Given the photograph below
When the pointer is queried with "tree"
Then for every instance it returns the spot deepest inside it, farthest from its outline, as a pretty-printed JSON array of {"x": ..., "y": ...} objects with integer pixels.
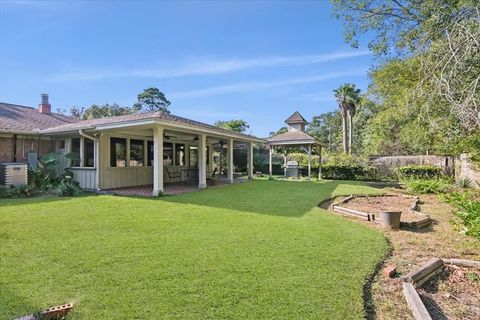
[
  {"x": 279, "y": 131},
  {"x": 326, "y": 128},
  {"x": 442, "y": 34},
  {"x": 348, "y": 97},
  {"x": 233, "y": 125},
  {"x": 100, "y": 111},
  {"x": 152, "y": 100}
]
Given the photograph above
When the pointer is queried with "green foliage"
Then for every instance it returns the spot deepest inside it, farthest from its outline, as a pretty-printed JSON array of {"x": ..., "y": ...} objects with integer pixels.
[
  {"x": 233, "y": 125},
  {"x": 100, "y": 111},
  {"x": 47, "y": 177},
  {"x": 464, "y": 182},
  {"x": 66, "y": 186},
  {"x": 423, "y": 186},
  {"x": 468, "y": 209},
  {"x": 22, "y": 191},
  {"x": 151, "y": 100},
  {"x": 342, "y": 172},
  {"x": 419, "y": 172}
]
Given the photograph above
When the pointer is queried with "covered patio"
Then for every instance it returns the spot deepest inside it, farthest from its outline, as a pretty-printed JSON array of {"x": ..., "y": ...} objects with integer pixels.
[
  {"x": 295, "y": 137},
  {"x": 151, "y": 153}
]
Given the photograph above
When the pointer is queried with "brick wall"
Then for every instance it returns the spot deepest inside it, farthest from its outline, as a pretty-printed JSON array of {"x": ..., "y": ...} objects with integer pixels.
[
  {"x": 6, "y": 149},
  {"x": 24, "y": 145}
]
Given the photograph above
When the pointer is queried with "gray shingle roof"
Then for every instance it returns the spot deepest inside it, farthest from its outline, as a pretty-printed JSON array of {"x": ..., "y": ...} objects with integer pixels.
[
  {"x": 16, "y": 118},
  {"x": 292, "y": 137},
  {"x": 296, "y": 117},
  {"x": 86, "y": 124}
]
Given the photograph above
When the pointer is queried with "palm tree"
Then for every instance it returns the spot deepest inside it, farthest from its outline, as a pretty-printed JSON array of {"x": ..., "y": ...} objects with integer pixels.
[{"x": 348, "y": 97}]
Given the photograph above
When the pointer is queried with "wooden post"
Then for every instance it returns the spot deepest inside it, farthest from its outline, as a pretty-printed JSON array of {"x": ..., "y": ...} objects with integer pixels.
[
  {"x": 270, "y": 162},
  {"x": 309, "y": 161},
  {"x": 157, "y": 161},
  {"x": 415, "y": 303}
]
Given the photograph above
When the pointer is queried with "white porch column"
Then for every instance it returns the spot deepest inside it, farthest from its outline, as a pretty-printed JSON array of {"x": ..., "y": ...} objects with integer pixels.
[
  {"x": 82, "y": 152},
  {"x": 270, "y": 162},
  {"x": 202, "y": 161},
  {"x": 230, "y": 161},
  {"x": 285, "y": 163},
  {"x": 250, "y": 161},
  {"x": 157, "y": 161},
  {"x": 309, "y": 161},
  {"x": 96, "y": 154}
]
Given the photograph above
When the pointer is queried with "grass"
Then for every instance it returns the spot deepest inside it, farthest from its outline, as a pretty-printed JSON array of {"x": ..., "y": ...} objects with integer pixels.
[{"x": 254, "y": 250}]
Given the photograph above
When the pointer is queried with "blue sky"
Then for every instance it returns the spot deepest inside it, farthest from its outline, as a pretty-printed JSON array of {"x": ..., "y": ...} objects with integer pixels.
[{"x": 257, "y": 61}]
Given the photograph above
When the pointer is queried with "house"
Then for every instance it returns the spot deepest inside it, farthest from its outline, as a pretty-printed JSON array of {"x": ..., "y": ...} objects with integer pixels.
[{"x": 144, "y": 149}]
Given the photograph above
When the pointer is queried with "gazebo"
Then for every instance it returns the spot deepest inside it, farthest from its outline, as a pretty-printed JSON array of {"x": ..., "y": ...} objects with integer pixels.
[{"x": 296, "y": 137}]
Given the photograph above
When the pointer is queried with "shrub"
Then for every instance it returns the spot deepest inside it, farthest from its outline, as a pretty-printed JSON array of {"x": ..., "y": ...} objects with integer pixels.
[
  {"x": 342, "y": 172},
  {"x": 16, "y": 192},
  {"x": 464, "y": 182},
  {"x": 418, "y": 172},
  {"x": 66, "y": 186},
  {"x": 468, "y": 209},
  {"x": 422, "y": 186}
]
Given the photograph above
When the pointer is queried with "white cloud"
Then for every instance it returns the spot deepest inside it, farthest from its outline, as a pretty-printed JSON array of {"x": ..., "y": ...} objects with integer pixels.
[
  {"x": 257, "y": 85},
  {"x": 205, "y": 67}
]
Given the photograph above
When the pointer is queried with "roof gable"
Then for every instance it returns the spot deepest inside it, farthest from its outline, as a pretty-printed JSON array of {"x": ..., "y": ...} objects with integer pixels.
[{"x": 296, "y": 117}]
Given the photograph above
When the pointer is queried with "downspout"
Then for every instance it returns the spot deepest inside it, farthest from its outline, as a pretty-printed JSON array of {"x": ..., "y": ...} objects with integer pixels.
[{"x": 96, "y": 155}]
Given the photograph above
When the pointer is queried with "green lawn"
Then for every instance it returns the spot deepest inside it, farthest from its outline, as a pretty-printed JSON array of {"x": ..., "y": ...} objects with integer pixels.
[{"x": 254, "y": 250}]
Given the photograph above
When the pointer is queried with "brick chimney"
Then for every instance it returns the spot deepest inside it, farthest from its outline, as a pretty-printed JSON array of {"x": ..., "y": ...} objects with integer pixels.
[{"x": 44, "y": 106}]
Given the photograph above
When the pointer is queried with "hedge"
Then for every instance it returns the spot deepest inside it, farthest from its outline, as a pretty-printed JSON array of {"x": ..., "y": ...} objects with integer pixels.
[{"x": 419, "y": 172}]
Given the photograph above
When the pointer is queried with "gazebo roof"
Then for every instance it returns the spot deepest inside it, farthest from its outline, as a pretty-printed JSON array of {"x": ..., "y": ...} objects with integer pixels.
[{"x": 292, "y": 138}]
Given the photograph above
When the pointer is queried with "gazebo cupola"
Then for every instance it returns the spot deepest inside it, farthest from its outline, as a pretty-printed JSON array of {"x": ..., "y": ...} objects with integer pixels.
[{"x": 296, "y": 122}]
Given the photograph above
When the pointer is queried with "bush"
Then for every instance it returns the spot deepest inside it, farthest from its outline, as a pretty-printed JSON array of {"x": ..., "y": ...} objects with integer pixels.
[
  {"x": 464, "y": 182},
  {"x": 342, "y": 172},
  {"x": 422, "y": 186},
  {"x": 348, "y": 167},
  {"x": 419, "y": 172},
  {"x": 468, "y": 210},
  {"x": 16, "y": 192}
]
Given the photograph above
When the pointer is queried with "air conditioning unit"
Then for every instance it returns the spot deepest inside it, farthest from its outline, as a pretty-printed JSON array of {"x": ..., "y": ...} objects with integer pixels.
[{"x": 14, "y": 174}]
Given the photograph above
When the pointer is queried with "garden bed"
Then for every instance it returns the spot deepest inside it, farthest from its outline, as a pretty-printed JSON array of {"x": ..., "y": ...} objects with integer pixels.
[{"x": 369, "y": 207}]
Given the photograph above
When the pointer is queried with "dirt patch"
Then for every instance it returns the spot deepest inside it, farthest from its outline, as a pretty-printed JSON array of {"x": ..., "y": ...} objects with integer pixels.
[
  {"x": 453, "y": 294},
  {"x": 387, "y": 203}
]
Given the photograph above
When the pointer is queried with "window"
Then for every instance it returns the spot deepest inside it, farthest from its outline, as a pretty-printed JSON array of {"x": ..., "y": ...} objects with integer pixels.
[
  {"x": 118, "y": 148},
  {"x": 179, "y": 154},
  {"x": 75, "y": 149},
  {"x": 150, "y": 153},
  {"x": 136, "y": 153},
  {"x": 61, "y": 144},
  {"x": 167, "y": 154},
  {"x": 193, "y": 156},
  {"x": 88, "y": 153}
]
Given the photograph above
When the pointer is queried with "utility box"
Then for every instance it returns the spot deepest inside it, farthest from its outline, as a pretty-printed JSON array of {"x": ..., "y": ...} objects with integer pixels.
[{"x": 14, "y": 174}]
